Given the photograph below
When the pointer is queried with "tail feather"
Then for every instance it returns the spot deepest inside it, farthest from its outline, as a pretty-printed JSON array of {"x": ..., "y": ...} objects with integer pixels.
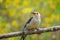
[{"x": 23, "y": 36}]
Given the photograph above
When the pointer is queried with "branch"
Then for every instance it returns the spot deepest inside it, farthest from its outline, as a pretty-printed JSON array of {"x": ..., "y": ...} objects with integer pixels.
[{"x": 41, "y": 30}]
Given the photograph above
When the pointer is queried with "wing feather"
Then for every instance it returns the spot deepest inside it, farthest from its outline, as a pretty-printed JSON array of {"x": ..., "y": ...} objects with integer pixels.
[{"x": 28, "y": 21}]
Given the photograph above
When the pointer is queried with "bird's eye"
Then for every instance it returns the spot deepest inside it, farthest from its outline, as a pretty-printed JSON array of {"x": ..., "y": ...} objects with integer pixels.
[{"x": 37, "y": 13}]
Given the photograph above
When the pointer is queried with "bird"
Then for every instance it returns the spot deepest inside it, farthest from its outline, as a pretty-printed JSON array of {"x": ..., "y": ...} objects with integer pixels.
[{"x": 32, "y": 24}]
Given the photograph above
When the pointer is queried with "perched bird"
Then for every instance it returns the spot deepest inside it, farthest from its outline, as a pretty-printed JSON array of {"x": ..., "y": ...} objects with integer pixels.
[{"x": 33, "y": 23}]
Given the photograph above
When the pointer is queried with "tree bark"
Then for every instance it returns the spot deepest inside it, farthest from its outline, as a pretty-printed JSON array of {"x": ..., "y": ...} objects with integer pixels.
[{"x": 40, "y": 30}]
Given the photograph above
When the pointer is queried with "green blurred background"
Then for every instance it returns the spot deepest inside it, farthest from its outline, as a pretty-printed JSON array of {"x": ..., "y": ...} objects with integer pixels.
[{"x": 15, "y": 13}]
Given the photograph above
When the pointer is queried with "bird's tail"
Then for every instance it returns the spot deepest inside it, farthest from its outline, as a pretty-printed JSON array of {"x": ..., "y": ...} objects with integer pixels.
[{"x": 23, "y": 36}]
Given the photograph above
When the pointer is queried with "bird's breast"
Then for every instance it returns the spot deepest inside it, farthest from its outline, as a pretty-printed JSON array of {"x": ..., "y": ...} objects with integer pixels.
[{"x": 34, "y": 24}]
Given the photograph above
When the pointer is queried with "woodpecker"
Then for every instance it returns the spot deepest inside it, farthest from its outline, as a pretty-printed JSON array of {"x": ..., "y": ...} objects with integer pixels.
[{"x": 33, "y": 23}]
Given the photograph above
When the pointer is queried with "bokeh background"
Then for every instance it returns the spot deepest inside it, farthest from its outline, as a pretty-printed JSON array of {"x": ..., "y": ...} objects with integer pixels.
[{"x": 15, "y": 13}]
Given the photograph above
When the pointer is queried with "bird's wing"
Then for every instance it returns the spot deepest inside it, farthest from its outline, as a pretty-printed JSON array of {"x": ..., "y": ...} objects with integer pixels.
[
  {"x": 23, "y": 36},
  {"x": 28, "y": 21}
]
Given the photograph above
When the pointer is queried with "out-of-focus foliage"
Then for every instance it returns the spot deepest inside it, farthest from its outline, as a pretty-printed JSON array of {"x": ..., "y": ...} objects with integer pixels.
[{"x": 15, "y": 13}]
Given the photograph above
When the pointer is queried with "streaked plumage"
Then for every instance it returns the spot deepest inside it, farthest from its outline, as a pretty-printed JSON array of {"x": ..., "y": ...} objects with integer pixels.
[{"x": 33, "y": 22}]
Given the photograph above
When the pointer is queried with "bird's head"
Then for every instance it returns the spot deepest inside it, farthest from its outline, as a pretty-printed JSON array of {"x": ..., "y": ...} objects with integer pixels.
[{"x": 36, "y": 14}]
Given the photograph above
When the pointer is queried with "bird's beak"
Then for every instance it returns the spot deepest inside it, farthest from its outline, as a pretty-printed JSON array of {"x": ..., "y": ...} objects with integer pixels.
[{"x": 33, "y": 13}]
